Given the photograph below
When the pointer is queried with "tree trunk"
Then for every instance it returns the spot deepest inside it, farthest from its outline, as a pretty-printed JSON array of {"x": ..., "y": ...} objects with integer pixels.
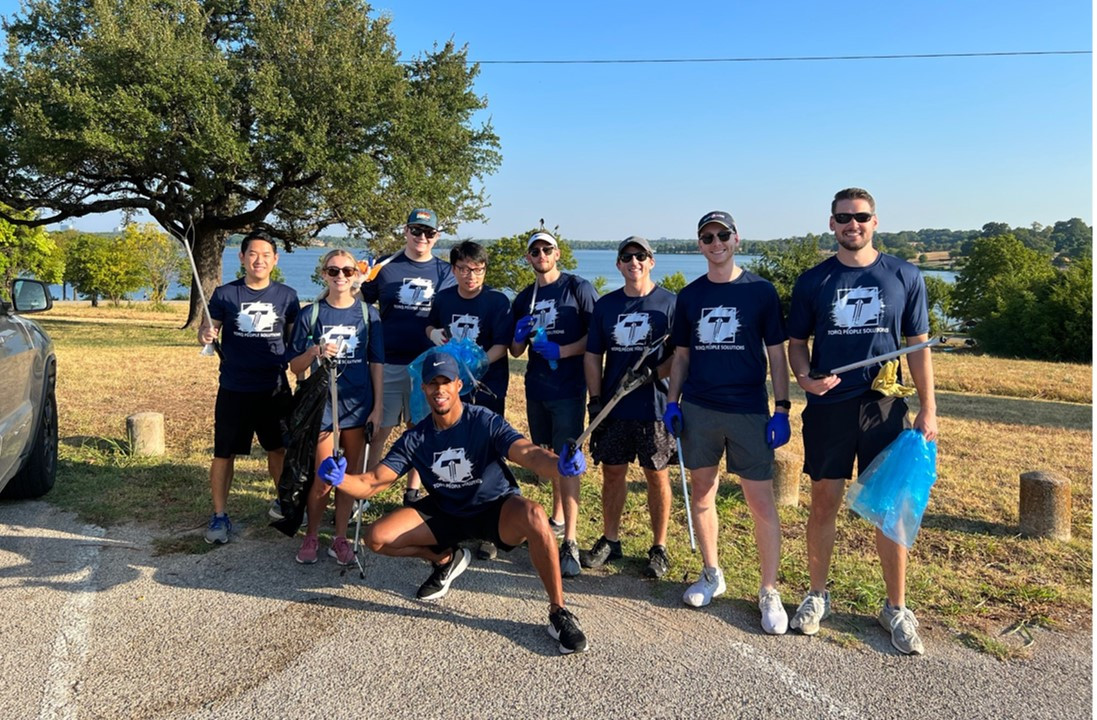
[{"x": 209, "y": 245}]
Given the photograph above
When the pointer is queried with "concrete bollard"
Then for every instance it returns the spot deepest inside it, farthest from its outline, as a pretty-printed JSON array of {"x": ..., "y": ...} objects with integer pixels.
[
  {"x": 145, "y": 431},
  {"x": 787, "y": 471},
  {"x": 1045, "y": 505}
]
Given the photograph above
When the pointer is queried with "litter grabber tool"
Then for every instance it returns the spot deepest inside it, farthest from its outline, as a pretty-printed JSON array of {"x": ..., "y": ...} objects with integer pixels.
[
  {"x": 879, "y": 358},
  {"x": 214, "y": 347},
  {"x": 360, "y": 508},
  {"x": 369, "y": 272},
  {"x": 685, "y": 487}
]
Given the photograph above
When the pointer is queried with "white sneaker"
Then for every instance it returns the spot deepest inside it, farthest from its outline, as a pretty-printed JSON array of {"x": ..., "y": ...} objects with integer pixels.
[
  {"x": 774, "y": 617},
  {"x": 901, "y": 623},
  {"x": 709, "y": 585},
  {"x": 813, "y": 610}
]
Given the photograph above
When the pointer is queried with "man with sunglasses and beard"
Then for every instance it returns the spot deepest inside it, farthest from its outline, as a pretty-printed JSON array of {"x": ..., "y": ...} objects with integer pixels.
[
  {"x": 727, "y": 327},
  {"x": 858, "y": 304},
  {"x": 404, "y": 288},
  {"x": 552, "y": 319}
]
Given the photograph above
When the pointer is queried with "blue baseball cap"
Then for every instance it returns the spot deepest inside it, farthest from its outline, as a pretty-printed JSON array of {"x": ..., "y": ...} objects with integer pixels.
[
  {"x": 440, "y": 363},
  {"x": 717, "y": 216},
  {"x": 422, "y": 216}
]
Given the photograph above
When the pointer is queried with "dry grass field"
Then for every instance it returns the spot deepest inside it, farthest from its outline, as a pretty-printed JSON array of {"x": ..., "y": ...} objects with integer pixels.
[{"x": 970, "y": 571}]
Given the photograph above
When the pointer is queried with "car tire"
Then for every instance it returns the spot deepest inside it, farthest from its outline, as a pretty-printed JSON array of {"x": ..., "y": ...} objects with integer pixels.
[{"x": 36, "y": 477}]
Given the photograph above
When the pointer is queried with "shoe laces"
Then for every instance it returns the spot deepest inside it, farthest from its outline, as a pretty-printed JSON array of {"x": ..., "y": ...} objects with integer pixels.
[
  {"x": 814, "y": 604},
  {"x": 769, "y": 600},
  {"x": 904, "y": 619}
]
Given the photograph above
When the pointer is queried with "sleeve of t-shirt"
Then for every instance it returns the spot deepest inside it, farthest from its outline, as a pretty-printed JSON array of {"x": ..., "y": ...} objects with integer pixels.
[
  {"x": 502, "y": 325},
  {"x": 520, "y": 308},
  {"x": 300, "y": 341},
  {"x": 585, "y": 299},
  {"x": 502, "y": 435},
  {"x": 916, "y": 312},
  {"x": 679, "y": 333},
  {"x": 217, "y": 305},
  {"x": 595, "y": 339},
  {"x": 375, "y": 353},
  {"x": 434, "y": 316},
  {"x": 293, "y": 310},
  {"x": 800, "y": 315},
  {"x": 399, "y": 457},
  {"x": 774, "y": 332},
  {"x": 446, "y": 278}
]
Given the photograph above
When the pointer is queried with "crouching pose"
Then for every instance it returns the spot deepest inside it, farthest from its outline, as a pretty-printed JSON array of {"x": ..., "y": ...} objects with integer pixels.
[{"x": 460, "y": 453}]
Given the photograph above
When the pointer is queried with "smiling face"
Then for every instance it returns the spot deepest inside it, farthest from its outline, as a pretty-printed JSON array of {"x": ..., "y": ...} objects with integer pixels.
[
  {"x": 719, "y": 251},
  {"x": 853, "y": 235},
  {"x": 470, "y": 276},
  {"x": 544, "y": 261},
  {"x": 341, "y": 262},
  {"x": 419, "y": 246},
  {"x": 631, "y": 267},
  {"x": 443, "y": 394},
  {"x": 258, "y": 258}
]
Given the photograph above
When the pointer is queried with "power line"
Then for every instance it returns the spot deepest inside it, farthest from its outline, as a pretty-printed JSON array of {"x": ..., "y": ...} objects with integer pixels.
[{"x": 787, "y": 58}]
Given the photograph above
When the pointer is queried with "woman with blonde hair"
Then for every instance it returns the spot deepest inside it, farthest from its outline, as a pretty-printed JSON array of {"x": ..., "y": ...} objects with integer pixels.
[{"x": 346, "y": 331}]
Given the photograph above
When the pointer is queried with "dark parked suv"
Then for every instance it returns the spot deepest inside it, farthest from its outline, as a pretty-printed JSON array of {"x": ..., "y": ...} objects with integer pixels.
[{"x": 28, "y": 403}]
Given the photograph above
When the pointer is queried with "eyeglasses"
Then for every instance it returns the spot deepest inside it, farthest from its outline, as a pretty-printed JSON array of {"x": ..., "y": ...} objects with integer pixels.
[
  {"x": 843, "y": 218},
  {"x": 708, "y": 238},
  {"x": 465, "y": 270},
  {"x": 417, "y": 231},
  {"x": 539, "y": 251},
  {"x": 640, "y": 256},
  {"x": 347, "y": 270}
]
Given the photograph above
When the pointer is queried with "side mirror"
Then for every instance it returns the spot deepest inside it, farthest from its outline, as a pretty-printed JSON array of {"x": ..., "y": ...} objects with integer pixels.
[{"x": 29, "y": 296}]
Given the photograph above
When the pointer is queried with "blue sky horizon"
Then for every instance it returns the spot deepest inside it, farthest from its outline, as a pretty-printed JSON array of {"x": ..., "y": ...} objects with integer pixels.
[{"x": 606, "y": 150}]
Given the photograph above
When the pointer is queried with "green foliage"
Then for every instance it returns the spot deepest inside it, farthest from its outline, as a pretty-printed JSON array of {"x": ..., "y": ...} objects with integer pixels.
[
  {"x": 599, "y": 283},
  {"x": 782, "y": 262},
  {"x": 1072, "y": 238},
  {"x": 163, "y": 258},
  {"x": 998, "y": 267},
  {"x": 939, "y": 299},
  {"x": 507, "y": 265},
  {"x": 102, "y": 266},
  {"x": 27, "y": 250},
  {"x": 674, "y": 282}
]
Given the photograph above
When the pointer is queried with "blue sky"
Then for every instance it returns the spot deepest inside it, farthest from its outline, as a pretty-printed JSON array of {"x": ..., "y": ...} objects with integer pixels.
[{"x": 606, "y": 151}]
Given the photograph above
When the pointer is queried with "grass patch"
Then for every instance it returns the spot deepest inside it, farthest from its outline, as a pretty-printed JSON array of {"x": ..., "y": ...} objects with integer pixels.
[{"x": 970, "y": 570}]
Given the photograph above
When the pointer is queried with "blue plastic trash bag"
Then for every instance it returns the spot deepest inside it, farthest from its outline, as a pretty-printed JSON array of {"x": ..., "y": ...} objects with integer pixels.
[
  {"x": 470, "y": 357},
  {"x": 893, "y": 492}
]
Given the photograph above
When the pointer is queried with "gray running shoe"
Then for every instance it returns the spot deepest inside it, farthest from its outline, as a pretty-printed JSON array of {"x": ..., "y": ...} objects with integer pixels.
[
  {"x": 557, "y": 528},
  {"x": 813, "y": 610},
  {"x": 709, "y": 585},
  {"x": 569, "y": 559},
  {"x": 275, "y": 510},
  {"x": 658, "y": 562},
  {"x": 774, "y": 617},
  {"x": 437, "y": 585},
  {"x": 901, "y": 623},
  {"x": 217, "y": 533},
  {"x": 603, "y": 551}
]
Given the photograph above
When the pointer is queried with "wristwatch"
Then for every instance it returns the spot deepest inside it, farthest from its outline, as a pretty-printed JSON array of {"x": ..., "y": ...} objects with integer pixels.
[{"x": 782, "y": 404}]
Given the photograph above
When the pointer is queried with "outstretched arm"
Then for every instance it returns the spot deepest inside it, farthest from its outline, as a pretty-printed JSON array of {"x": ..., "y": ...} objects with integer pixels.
[
  {"x": 534, "y": 458},
  {"x": 362, "y": 486}
]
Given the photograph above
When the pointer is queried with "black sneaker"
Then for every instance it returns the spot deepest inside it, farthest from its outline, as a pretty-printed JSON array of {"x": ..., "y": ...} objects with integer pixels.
[
  {"x": 658, "y": 562},
  {"x": 412, "y": 496},
  {"x": 564, "y": 626},
  {"x": 486, "y": 550},
  {"x": 437, "y": 585},
  {"x": 602, "y": 552}
]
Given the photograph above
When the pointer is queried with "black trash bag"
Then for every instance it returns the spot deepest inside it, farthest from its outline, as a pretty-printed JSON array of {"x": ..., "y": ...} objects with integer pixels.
[{"x": 302, "y": 434}]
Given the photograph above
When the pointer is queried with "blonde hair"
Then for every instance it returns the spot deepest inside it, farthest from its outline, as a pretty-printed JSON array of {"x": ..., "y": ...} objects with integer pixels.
[{"x": 337, "y": 252}]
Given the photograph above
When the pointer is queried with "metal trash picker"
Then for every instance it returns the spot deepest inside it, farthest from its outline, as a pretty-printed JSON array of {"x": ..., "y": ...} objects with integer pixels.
[
  {"x": 685, "y": 488},
  {"x": 816, "y": 374}
]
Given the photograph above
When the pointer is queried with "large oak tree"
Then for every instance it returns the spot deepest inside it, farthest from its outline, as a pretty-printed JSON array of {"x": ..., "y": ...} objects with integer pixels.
[{"x": 219, "y": 116}]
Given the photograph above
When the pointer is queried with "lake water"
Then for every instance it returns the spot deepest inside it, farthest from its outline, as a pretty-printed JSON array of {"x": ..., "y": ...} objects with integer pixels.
[{"x": 299, "y": 265}]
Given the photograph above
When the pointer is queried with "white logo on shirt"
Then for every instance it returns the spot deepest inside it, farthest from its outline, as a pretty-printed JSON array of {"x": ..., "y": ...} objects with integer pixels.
[
  {"x": 544, "y": 312},
  {"x": 452, "y": 468},
  {"x": 718, "y": 325},
  {"x": 256, "y": 317},
  {"x": 465, "y": 327},
  {"x": 345, "y": 336},
  {"x": 858, "y": 307},
  {"x": 632, "y": 329},
  {"x": 415, "y": 291}
]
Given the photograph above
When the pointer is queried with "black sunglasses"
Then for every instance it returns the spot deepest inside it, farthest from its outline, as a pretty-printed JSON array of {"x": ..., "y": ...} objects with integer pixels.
[
  {"x": 843, "y": 218},
  {"x": 538, "y": 251},
  {"x": 347, "y": 270},
  {"x": 708, "y": 238},
  {"x": 417, "y": 231},
  {"x": 640, "y": 255}
]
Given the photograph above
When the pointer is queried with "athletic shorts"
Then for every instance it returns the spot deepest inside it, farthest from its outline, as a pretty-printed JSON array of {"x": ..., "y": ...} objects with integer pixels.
[
  {"x": 708, "y": 435},
  {"x": 554, "y": 422},
  {"x": 836, "y": 433},
  {"x": 620, "y": 442},
  {"x": 449, "y": 530},
  {"x": 397, "y": 398},
  {"x": 237, "y": 416}
]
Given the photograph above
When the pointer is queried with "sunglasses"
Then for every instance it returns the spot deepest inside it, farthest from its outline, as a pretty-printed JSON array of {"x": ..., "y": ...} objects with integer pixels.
[
  {"x": 347, "y": 270},
  {"x": 708, "y": 238},
  {"x": 640, "y": 255},
  {"x": 539, "y": 251},
  {"x": 417, "y": 231},
  {"x": 843, "y": 218}
]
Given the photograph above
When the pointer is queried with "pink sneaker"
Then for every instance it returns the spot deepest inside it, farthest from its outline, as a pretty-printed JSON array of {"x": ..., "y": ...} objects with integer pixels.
[
  {"x": 307, "y": 554},
  {"x": 341, "y": 550}
]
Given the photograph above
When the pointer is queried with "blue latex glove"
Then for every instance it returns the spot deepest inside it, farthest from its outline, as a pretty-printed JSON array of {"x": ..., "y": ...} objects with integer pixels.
[
  {"x": 571, "y": 463},
  {"x": 332, "y": 470},
  {"x": 777, "y": 430},
  {"x": 523, "y": 328},
  {"x": 547, "y": 349},
  {"x": 672, "y": 418}
]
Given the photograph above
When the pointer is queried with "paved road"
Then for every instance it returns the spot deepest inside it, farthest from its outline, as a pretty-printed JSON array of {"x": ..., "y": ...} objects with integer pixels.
[{"x": 95, "y": 626}]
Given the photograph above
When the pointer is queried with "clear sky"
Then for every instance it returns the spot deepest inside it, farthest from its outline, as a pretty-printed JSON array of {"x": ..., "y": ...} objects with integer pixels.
[{"x": 609, "y": 150}]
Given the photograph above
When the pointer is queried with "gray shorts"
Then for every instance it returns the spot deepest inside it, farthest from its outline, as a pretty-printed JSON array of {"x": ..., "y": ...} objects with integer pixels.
[
  {"x": 709, "y": 434},
  {"x": 619, "y": 442},
  {"x": 397, "y": 398}
]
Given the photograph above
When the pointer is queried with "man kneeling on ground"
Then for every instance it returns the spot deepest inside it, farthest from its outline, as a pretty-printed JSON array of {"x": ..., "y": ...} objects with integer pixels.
[{"x": 459, "y": 452}]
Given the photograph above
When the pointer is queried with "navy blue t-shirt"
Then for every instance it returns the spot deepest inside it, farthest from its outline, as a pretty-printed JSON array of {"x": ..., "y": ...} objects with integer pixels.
[
  {"x": 403, "y": 290},
  {"x": 727, "y": 327},
  {"x": 255, "y": 326},
  {"x": 462, "y": 466},
  {"x": 856, "y": 313},
  {"x": 355, "y": 386},
  {"x": 621, "y": 329},
  {"x": 485, "y": 320},
  {"x": 563, "y": 309}
]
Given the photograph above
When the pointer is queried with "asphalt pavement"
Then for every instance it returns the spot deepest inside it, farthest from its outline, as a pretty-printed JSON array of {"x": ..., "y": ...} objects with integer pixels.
[{"x": 95, "y": 625}]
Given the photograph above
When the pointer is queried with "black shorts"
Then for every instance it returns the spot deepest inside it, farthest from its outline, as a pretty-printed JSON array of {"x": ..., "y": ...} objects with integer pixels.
[
  {"x": 619, "y": 442},
  {"x": 837, "y": 433},
  {"x": 449, "y": 530},
  {"x": 237, "y": 416},
  {"x": 497, "y": 405}
]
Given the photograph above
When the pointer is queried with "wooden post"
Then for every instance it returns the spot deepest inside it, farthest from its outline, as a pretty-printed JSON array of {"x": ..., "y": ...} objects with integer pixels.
[
  {"x": 787, "y": 472},
  {"x": 1045, "y": 505},
  {"x": 146, "y": 433}
]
